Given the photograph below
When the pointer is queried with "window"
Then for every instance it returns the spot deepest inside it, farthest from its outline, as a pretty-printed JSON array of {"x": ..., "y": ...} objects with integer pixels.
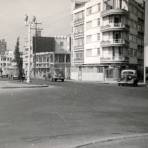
[
  {"x": 99, "y": 7},
  {"x": 95, "y": 8},
  {"x": 79, "y": 16},
  {"x": 78, "y": 56},
  {"x": 98, "y": 21},
  {"x": 61, "y": 58},
  {"x": 51, "y": 58},
  {"x": 98, "y": 36},
  {"x": 61, "y": 43},
  {"x": 79, "y": 29},
  {"x": 107, "y": 52},
  {"x": 89, "y": 25},
  {"x": 79, "y": 42},
  {"x": 67, "y": 58},
  {"x": 88, "y": 52},
  {"x": 47, "y": 59},
  {"x": 89, "y": 11},
  {"x": 88, "y": 39},
  {"x": 44, "y": 59},
  {"x": 98, "y": 51},
  {"x": 40, "y": 59},
  {"x": 120, "y": 51}
]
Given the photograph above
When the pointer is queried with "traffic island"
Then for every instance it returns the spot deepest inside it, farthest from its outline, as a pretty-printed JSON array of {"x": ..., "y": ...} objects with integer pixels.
[{"x": 16, "y": 84}]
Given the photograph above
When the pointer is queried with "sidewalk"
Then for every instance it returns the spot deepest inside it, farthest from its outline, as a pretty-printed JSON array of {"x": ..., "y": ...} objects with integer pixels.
[{"x": 5, "y": 84}]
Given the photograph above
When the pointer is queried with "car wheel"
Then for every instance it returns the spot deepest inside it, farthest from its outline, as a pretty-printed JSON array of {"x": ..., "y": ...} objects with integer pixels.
[{"x": 62, "y": 80}]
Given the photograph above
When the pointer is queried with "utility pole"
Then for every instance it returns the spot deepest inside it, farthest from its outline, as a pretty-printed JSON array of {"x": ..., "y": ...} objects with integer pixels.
[{"x": 29, "y": 24}]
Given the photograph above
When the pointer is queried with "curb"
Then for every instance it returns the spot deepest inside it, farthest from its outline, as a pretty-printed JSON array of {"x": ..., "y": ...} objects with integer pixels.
[
  {"x": 35, "y": 86},
  {"x": 111, "y": 139}
]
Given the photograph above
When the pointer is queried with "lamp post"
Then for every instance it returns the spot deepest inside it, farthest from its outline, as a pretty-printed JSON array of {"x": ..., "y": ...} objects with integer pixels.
[{"x": 29, "y": 24}]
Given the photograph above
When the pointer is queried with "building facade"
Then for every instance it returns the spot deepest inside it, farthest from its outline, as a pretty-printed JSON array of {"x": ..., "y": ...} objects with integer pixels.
[
  {"x": 107, "y": 36},
  {"x": 6, "y": 62},
  {"x": 48, "y": 53}
]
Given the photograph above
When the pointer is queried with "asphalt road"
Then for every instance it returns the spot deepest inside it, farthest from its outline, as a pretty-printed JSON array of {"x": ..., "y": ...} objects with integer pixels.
[{"x": 70, "y": 114}]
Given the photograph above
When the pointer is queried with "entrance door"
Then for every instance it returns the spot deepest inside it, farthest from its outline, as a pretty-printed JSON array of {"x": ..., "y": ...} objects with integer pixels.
[
  {"x": 80, "y": 74},
  {"x": 109, "y": 74}
]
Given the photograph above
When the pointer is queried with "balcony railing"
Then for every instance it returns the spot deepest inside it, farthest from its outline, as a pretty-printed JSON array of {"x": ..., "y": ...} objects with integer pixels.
[
  {"x": 114, "y": 26},
  {"x": 113, "y": 59},
  {"x": 78, "y": 22},
  {"x": 80, "y": 47},
  {"x": 114, "y": 42},
  {"x": 113, "y": 11},
  {"x": 79, "y": 34}
]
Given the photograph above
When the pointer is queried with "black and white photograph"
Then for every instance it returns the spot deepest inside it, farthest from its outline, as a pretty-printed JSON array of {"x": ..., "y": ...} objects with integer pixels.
[{"x": 73, "y": 73}]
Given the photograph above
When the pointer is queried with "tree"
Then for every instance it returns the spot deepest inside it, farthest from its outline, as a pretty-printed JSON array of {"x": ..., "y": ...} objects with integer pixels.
[{"x": 18, "y": 59}]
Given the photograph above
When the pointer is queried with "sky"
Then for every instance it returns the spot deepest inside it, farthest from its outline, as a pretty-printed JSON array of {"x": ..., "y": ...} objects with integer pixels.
[{"x": 55, "y": 16}]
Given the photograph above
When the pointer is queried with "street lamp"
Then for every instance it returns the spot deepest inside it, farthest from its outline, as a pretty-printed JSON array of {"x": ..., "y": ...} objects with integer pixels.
[{"x": 29, "y": 24}]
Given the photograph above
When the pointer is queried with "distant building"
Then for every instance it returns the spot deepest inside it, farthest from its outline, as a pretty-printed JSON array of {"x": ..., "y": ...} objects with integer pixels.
[
  {"x": 48, "y": 53},
  {"x": 6, "y": 62},
  {"x": 3, "y": 46},
  {"x": 107, "y": 36}
]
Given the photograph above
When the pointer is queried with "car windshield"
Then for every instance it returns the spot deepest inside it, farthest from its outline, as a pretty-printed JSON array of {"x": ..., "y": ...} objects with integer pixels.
[{"x": 128, "y": 73}]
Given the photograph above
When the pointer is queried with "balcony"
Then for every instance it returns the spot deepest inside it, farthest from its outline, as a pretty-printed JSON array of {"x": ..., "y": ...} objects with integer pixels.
[
  {"x": 117, "y": 59},
  {"x": 79, "y": 47},
  {"x": 78, "y": 22},
  {"x": 114, "y": 42},
  {"x": 113, "y": 12},
  {"x": 114, "y": 27},
  {"x": 79, "y": 35},
  {"x": 78, "y": 61}
]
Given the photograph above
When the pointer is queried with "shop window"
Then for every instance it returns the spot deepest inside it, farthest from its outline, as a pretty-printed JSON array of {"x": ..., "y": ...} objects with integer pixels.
[
  {"x": 109, "y": 73},
  {"x": 100, "y": 69}
]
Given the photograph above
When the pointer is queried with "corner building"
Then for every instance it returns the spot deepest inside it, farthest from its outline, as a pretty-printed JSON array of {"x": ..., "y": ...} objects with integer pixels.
[{"x": 107, "y": 36}]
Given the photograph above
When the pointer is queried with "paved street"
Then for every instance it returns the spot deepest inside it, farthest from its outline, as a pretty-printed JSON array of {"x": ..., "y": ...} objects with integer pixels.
[{"x": 70, "y": 114}]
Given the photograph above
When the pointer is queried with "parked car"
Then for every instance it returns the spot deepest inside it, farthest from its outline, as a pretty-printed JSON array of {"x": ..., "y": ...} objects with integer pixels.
[
  {"x": 15, "y": 77},
  {"x": 4, "y": 76},
  {"x": 56, "y": 75},
  {"x": 128, "y": 77}
]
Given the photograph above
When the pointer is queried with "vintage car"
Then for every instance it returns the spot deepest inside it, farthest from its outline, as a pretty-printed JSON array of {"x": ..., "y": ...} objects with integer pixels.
[
  {"x": 56, "y": 74},
  {"x": 128, "y": 77}
]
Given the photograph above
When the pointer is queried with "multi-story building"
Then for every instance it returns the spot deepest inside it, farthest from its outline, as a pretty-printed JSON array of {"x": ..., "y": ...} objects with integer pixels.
[
  {"x": 107, "y": 37},
  {"x": 48, "y": 53}
]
